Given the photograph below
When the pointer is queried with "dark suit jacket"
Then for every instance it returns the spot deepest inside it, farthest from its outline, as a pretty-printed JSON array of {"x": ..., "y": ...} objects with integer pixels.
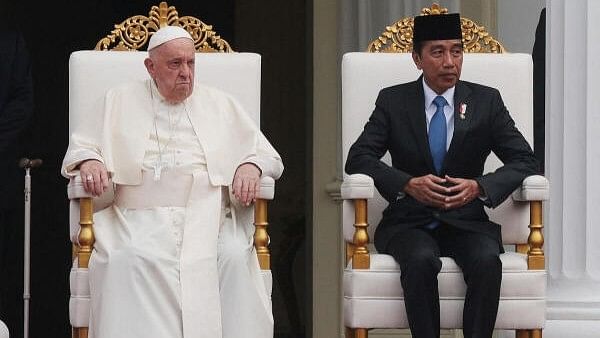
[
  {"x": 398, "y": 125},
  {"x": 16, "y": 106}
]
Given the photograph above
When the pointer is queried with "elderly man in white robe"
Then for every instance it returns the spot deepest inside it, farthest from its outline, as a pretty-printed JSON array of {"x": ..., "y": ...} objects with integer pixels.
[{"x": 173, "y": 255}]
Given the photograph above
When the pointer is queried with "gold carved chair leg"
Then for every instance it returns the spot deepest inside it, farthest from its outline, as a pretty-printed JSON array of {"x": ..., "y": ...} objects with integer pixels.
[
  {"x": 261, "y": 236},
  {"x": 360, "y": 252},
  {"x": 536, "y": 333},
  {"x": 80, "y": 332},
  {"x": 535, "y": 255},
  {"x": 533, "y": 333},
  {"x": 360, "y": 333},
  {"x": 86, "y": 244}
]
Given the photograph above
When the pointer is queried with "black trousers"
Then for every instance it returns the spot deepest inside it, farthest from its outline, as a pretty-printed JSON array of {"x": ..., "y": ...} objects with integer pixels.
[{"x": 418, "y": 252}]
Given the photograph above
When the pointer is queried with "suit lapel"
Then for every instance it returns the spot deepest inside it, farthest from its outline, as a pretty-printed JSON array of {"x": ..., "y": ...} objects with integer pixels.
[
  {"x": 461, "y": 122},
  {"x": 418, "y": 120}
]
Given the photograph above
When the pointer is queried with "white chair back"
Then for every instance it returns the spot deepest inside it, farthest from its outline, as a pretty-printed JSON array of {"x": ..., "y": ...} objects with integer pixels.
[
  {"x": 365, "y": 74},
  {"x": 92, "y": 73}
]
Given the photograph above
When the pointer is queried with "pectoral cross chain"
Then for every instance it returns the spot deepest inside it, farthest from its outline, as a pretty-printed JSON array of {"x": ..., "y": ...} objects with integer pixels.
[{"x": 158, "y": 167}]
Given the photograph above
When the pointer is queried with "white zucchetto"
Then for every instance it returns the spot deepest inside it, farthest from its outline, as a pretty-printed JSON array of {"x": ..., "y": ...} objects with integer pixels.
[{"x": 167, "y": 34}]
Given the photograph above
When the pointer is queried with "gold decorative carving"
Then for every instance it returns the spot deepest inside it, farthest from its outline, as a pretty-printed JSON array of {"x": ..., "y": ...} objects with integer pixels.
[
  {"x": 261, "y": 237},
  {"x": 522, "y": 248},
  {"x": 360, "y": 255},
  {"x": 397, "y": 38},
  {"x": 86, "y": 244},
  {"x": 535, "y": 256},
  {"x": 80, "y": 332},
  {"x": 86, "y": 234},
  {"x": 522, "y": 334},
  {"x": 349, "y": 252},
  {"x": 361, "y": 333},
  {"x": 134, "y": 32}
]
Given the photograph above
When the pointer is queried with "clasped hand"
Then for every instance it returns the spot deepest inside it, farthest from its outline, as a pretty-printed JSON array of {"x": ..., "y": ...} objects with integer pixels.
[{"x": 442, "y": 193}]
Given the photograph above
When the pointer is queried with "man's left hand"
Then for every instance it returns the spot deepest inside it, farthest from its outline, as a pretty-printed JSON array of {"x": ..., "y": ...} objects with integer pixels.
[
  {"x": 246, "y": 183},
  {"x": 462, "y": 192}
]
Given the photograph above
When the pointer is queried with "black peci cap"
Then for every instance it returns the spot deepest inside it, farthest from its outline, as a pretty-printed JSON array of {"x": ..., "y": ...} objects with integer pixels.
[{"x": 436, "y": 27}]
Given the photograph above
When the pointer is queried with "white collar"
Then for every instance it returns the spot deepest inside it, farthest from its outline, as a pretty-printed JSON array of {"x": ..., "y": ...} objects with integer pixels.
[{"x": 430, "y": 95}]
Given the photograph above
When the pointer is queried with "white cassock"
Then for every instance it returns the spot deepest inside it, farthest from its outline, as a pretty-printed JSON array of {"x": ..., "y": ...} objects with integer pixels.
[{"x": 174, "y": 257}]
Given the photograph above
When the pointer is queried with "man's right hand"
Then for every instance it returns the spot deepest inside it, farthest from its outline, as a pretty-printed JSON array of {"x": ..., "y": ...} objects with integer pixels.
[
  {"x": 94, "y": 176},
  {"x": 428, "y": 190}
]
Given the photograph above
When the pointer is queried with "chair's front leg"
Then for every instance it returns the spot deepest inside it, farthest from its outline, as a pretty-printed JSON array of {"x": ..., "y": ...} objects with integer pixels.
[
  {"x": 522, "y": 334},
  {"x": 535, "y": 256},
  {"x": 86, "y": 234},
  {"x": 261, "y": 236},
  {"x": 361, "y": 333},
  {"x": 360, "y": 254},
  {"x": 86, "y": 244}
]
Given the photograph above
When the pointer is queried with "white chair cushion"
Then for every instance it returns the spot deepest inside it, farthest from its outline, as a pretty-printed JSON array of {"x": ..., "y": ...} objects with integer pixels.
[
  {"x": 378, "y": 289},
  {"x": 512, "y": 314},
  {"x": 79, "y": 303}
]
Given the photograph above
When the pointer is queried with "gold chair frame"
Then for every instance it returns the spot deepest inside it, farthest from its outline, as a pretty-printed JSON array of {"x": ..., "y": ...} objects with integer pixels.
[
  {"x": 131, "y": 35},
  {"x": 397, "y": 38}
]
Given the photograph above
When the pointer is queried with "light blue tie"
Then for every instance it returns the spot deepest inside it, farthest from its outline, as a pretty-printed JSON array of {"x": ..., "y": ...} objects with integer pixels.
[
  {"x": 437, "y": 134},
  {"x": 437, "y": 141}
]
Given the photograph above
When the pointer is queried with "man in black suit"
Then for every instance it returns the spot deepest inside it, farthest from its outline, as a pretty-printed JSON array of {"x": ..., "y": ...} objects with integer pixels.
[
  {"x": 439, "y": 131},
  {"x": 16, "y": 107}
]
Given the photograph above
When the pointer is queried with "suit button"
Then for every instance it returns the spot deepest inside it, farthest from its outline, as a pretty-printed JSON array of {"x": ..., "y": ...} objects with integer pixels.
[{"x": 436, "y": 214}]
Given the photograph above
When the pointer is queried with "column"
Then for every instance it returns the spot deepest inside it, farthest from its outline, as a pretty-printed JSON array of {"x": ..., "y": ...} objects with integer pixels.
[{"x": 573, "y": 159}]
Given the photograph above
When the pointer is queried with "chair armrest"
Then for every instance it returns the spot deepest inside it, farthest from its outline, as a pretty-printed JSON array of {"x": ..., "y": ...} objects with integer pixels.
[
  {"x": 261, "y": 236},
  {"x": 533, "y": 188},
  {"x": 267, "y": 188},
  {"x": 357, "y": 186},
  {"x": 75, "y": 188}
]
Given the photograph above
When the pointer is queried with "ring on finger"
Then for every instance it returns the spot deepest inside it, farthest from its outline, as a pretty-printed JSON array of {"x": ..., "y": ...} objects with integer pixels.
[{"x": 89, "y": 178}]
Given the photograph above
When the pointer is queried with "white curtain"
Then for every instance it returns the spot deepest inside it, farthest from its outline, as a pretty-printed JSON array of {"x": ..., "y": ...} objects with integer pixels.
[{"x": 364, "y": 20}]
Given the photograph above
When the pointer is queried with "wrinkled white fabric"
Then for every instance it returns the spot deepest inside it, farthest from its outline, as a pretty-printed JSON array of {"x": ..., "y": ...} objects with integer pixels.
[{"x": 174, "y": 257}]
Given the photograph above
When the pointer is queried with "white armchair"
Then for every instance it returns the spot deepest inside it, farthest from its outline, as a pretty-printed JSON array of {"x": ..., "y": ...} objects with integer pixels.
[
  {"x": 92, "y": 73},
  {"x": 3, "y": 330},
  {"x": 373, "y": 296}
]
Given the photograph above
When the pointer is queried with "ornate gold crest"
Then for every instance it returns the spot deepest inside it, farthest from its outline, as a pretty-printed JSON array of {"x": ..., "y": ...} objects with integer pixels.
[
  {"x": 397, "y": 38},
  {"x": 134, "y": 32}
]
